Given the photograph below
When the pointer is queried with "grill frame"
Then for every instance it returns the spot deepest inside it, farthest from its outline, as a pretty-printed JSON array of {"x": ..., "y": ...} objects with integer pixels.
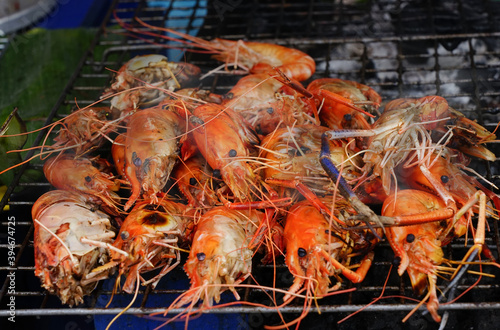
[{"x": 115, "y": 51}]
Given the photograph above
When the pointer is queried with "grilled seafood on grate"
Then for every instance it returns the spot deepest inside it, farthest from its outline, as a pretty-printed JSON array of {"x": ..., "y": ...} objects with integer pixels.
[
  {"x": 84, "y": 129},
  {"x": 144, "y": 80},
  {"x": 67, "y": 226},
  {"x": 336, "y": 98},
  {"x": 402, "y": 135},
  {"x": 150, "y": 238},
  {"x": 266, "y": 104},
  {"x": 316, "y": 250},
  {"x": 151, "y": 149},
  {"x": 221, "y": 253},
  {"x": 226, "y": 142},
  {"x": 252, "y": 57},
  {"x": 83, "y": 175}
]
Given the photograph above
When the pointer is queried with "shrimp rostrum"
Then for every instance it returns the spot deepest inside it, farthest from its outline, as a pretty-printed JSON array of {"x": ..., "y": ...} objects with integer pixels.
[{"x": 66, "y": 226}]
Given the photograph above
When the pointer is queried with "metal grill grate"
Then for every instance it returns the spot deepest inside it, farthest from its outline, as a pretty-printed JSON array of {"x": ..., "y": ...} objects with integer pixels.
[{"x": 399, "y": 48}]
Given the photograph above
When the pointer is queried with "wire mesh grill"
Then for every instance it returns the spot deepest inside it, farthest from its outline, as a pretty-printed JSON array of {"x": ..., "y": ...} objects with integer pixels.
[{"x": 399, "y": 48}]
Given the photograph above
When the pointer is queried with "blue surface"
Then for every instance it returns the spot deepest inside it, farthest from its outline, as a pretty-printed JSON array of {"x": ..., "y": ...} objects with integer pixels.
[
  {"x": 175, "y": 280},
  {"x": 75, "y": 13},
  {"x": 178, "y": 19}
]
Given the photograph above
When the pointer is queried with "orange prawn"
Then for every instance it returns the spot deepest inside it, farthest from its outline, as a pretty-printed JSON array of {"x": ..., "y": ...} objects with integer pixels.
[
  {"x": 151, "y": 150},
  {"x": 418, "y": 247},
  {"x": 65, "y": 222},
  {"x": 194, "y": 180},
  {"x": 150, "y": 71},
  {"x": 266, "y": 103},
  {"x": 150, "y": 238},
  {"x": 221, "y": 253},
  {"x": 72, "y": 173},
  {"x": 315, "y": 249},
  {"x": 226, "y": 142},
  {"x": 253, "y": 57},
  {"x": 339, "y": 115}
]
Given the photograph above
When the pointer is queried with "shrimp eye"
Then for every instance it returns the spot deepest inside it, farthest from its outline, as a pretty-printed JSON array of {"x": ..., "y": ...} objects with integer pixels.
[
  {"x": 396, "y": 261},
  {"x": 410, "y": 238},
  {"x": 444, "y": 179},
  {"x": 192, "y": 181},
  {"x": 229, "y": 96},
  {"x": 88, "y": 178},
  {"x": 270, "y": 110},
  {"x": 302, "y": 252},
  {"x": 305, "y": 149},
  {"x": 232, "y": 153},
  {"x": 348, "y": 117},
  {"x": 124, "y": 235},
  {"x": 201, "y": 256},
  {"x": 216, "y": 174}
]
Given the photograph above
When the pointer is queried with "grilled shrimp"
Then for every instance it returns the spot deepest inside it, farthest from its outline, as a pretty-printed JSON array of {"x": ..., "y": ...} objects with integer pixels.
[
  {"x": 293, "y": 154},
  {"x": 337, "y": 115},
  {"x": 402, "y": 135},
  {"x": 253, "y": 57},
  {"x": 448, "y": 181},
  {"x": 468, "y": 136},
  {"x": 150, "y": 238},
  {"x": 418, "y": 247},
  {"x": 79, "y": 174},
  {"x": 155, "y": 73},
  {"x": 65, "y": 223},
  {"x": 315, "y": 250},
  {"x": 266, "y": 103},
  {"x": 194, "y": 180},
  {"x": 151, "y": 149},
  {"x": 84, "y": 129},
  {"x": 226, "y": 142},
  {"x": 405, "y": 126},
  {"x": 221, "y": 253}
]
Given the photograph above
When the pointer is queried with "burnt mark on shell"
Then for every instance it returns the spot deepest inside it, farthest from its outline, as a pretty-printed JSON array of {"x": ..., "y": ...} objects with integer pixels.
[{"x": 154, "y": 218}]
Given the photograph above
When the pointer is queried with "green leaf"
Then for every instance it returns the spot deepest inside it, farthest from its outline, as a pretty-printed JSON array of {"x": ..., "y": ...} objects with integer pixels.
[
  {"x": 34, "y": 70},
  {"x": 11, "y": 138}
]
